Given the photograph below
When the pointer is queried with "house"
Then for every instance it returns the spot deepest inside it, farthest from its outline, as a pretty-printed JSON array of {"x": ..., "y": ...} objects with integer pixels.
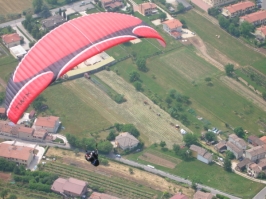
[
  {"x": 202, "y": 195},
  {"x": 256, "y": 18},
  {"x": 201, "y": 154},
  {"x": 2, "y": 112},
  {"x": 262, "y": 164},
  {"x": 179, "y": 196},
  {"x": 220, "y": 146},
  {"x": 11, "y": 40},
  {"x": 126, "y": 141},
  {"x": 70, "y": 187},
  {"x": 18, "y": 52},
  {"x": 173, "y": 27},
  {"x": 50, "y": 124},
  {"x": 20, "y": 154},
  {"x": 239, "y": 142},
  {"x": 261, "y": 34},
  {"x": 238, "y": 9},
  {"x": 96, "y": 195},
  {"x": 255, "y": 141},
  {"x": 234, "y": 149},
  {"x": 7, "y": 129},
  {"x": 52, "y": 22},
  {"x": 205, "y": 4},
  {"x": 243, "y": 164},
  {"x": 256, "y": 153},
  {"x": 253, "y": 170},
  {"x": 147, "y": 8},
  {"x": 31, "y": 114},
  {"x": 111, "y": 4},
  {"x": 185, "y": 3}
]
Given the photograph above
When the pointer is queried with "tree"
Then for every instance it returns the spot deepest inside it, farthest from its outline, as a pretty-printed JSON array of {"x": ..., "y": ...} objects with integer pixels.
[
  {"x": 264, "y": 95},
  {"x": 229, "y": 69},
  {"x": 134, "y": 76},
  {"x": 45, "y": 12},
  {"x": 76, "y": 151},
  {"x": 105, "y": 147},
  {"x": 230, "y": 155},
  {"x": 162, "y": 144},
  {"x": 208, "y": 79},
  {"x": 223, "y": 22},
  {"x": 60, "y": 12},
  {"x": 210, "y": 136},
  {"x": 185, "y": 153},
  {"x": 2, "y": 97},
  {"x": 239, "y": 131},
  {"x": 64, "y": 14},
  {"x": 4, "y": 193},
  {"x": 227, "y": 164},
  {"x": 38, "y": 102},
  {"x": 162, "y": 2},
  {"x": 37, "y": 5},
  {"x": 190, "y": 139},
  {"x": 138, "y": 86},
  {"x": 131, "y": 129},
  {"x": 111, "y": 135},
  {"x": 176, "y": 148},
  {"x": 12, "y": 196},
  {"x": 141, "y": 63},
  {"x": 246, "y": 28},
  {"x": 180, "y": 7},
  {"x": 162, "y": 16}
]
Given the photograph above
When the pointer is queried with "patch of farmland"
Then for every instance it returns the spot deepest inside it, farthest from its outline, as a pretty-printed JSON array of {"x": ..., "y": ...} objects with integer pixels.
[
  {"x": 14, "y": 6},
  {"x": 157, "y": 160},
  {"x": 186, "y": 63},
  {"x": 164, "y": 156}
]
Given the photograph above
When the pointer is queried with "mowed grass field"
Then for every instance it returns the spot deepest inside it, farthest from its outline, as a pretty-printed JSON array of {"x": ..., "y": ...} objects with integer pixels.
[
  {"x": 216, "y": 103},
  {"x": 226, "y": 44},
  {"x": 14, "y": 6},
  {"x": 210, "y": 175}
]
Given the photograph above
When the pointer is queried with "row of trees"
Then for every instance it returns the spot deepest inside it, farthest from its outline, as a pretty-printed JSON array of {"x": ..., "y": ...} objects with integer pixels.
[
  {"x": 32, "y": 27},
  {"x": 41, "y": 8}
]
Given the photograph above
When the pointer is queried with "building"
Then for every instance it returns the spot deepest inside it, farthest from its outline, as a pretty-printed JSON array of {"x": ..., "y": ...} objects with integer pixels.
[
  {"x": 52, "y": 22},
  {"x": 111, "y": 4},
  {"x": 256, "y": 18},
  {"x": 31, "y": 114},
  {"x": 255, "y": 141},
  {"x": 96, "y": 195},
  {"x": 256, "y": 153},
  {"x": 260, "y": 35},
  {"x": 50, "y": 124},
  {"x": 238, "y": 9},
  {"x": 243, "y": 164},
  {"x": 253, "y": 170},
  {"x": 18, "y": 52},
  {"x": 70, "y": 187},
  {"x": 205, "y": 4},
  {"x": 173, "y": 27},
  {"x": 185, "y": 3},
  {"x": 126, "y": 141},
  {"x": 239, "y": 142},
  {"x": 179, "y": 196},
  {"x": 2, "y": 112},
  {"x": 147, "y": 8},
  {"x": 220, "y": 146},
  {"x": 20, "y": 154},
  {"x": 238, "y": 152},
  {"x": 202, "y": 195},
  {"x": 11, "y": 40},
  {"x": 201, "y": 154}
]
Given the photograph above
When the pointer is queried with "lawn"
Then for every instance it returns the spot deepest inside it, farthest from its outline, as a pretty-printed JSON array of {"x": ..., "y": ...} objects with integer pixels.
[
  {"x": 210, "y": 175},
  {"x": 226, "y": 44},
  {"x": 77, "y": 117},
  {"x": 260, "y": 65},
  {"x": 7, "y": 66},
  {"x": 217, "y": 104}
]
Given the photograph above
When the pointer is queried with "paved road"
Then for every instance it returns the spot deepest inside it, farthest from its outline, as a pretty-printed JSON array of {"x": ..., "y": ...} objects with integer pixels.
[
  {"x": 261, "y": 194},
  {"x": 171, "y": 176}
]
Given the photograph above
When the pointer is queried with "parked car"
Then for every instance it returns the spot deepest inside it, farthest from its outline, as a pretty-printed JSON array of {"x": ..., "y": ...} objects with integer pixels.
[{"x": 118, "y": 156}]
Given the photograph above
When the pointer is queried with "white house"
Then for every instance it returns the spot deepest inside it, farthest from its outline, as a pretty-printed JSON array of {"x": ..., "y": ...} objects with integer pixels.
[{"x": 201, "y": 154}]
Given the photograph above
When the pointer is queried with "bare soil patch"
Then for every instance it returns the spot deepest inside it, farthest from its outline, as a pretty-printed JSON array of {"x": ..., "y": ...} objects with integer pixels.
[
  {"x": 5, "y": 177},
  {"x": 157, "y": 160},
  {"x": 119, "y": 170}
]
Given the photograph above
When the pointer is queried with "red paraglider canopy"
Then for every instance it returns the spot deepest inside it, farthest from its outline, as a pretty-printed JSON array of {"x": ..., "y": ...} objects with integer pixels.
[{"x": 64, "y": 48}]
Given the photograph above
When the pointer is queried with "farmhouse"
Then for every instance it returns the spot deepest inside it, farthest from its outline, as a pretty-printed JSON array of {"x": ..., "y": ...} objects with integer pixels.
[
  {"x": 202, "y": 195},
  {"x": 173, "y": 27},
  {"x": 147, "y": 8},
  {"x": 238, "y": 9},
  {"x": 255, "y": 141},
  {"x": 126, "y": 141},
  {"x": 234, "y": 149},
  {"x": 239, "y": 142},
  {"x": 11, "y": 40},
  {"x": 220, "y": 146},
  {"x": 111, "y": 4},
  {"x": 52, "y": 22},
  {"x": 201, "y": 154},
  {"x": 256, "y": 153},
  {"x": 261, "y": 34},
  {"x": 256, "y": 18},
  {"x": 96, "y": 195},
  {"x": 19, "y": 154},
  {"x": 70, "y": 187},
  {"x": 179, "y": 196},
  {"x": 243, "y": 164},
  {"x": 50, "y": 124},
  {"x": 253, "y": 170}
]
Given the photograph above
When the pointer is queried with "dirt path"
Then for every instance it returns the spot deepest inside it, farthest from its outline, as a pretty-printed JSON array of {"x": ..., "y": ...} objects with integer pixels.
[{"x": 244, "y": 91}]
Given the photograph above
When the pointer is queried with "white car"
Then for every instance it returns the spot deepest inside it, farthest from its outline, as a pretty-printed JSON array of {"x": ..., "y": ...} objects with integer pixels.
[{"x": 117, "y": 155}]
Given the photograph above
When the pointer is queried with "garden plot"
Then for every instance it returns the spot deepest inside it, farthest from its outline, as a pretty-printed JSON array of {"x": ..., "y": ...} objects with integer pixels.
[{"x": 157, "y": 160}]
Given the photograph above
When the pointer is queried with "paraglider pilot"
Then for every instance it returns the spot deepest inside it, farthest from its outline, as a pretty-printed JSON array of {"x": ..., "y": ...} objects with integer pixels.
[{"x": 92, "y": 157}]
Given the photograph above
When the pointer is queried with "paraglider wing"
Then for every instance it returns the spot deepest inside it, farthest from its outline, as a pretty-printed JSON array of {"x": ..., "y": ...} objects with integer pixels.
[{"x": 64, "y": 48}]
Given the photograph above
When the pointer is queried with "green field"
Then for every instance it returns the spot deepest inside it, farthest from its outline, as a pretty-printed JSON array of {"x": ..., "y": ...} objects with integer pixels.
[
  {"x": 7, "y": 65},
  {"x": 184, "y": 71},
  {"x": 226, "y": 44},
  {"x": 210, "y": 175}
]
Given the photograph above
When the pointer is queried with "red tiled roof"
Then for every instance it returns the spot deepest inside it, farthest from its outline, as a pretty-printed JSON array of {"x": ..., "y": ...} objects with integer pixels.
[
  {"x": 263, "y": 30},
  {"x": 39, "y": 133},
  {"x": 145, "y": 6},
  {"x": 239, "y": 6},
  {"x": 260, "y": 15},
  {"x": 173, "y": 23},
  {"x": 71, "y": 185},
  {"x": 96, "y": 195},
  {"x": 23, "y": 129},
  {"x": 16, "y": 152},
  {"x": 46, "y": 121},
  {"x": 179, "y": 196},
  {"x": 9, "y": 38}
]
